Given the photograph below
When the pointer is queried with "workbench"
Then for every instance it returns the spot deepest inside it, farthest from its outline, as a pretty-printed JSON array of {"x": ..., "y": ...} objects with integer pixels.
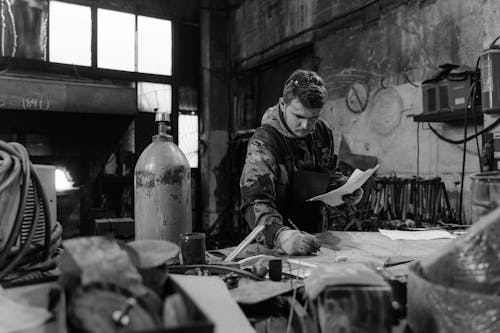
[
  {"x": 356, "y": 247},
  {"x": 363, "y": 247},
  {"x": 373, "y": 247},
  {"x": 370, "y": 248}
]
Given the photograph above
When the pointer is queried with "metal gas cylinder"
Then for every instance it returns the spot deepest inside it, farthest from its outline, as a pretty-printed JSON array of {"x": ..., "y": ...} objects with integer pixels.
[
  {"x": 489, "y": 64},
  {"x": 162, "y": 184}
]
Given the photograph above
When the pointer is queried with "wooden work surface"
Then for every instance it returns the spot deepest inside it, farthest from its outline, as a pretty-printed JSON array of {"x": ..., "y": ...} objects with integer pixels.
[
  {"x": 360, "y": 246},
  {"x": 374, "y": 247},
  {"x": 364, "y": 247}
]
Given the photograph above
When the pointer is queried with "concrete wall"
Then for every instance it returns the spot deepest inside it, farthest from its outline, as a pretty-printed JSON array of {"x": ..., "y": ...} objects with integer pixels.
[
  {"x": 380, "y": 49},
  {"x": 214, "y": 135}
]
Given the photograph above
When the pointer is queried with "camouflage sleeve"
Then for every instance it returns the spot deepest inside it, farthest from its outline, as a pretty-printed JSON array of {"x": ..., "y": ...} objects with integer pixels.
[{"x": 258, "y": 191}]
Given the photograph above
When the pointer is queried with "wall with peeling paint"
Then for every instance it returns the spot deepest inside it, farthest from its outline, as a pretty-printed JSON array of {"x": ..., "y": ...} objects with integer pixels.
[
  {"x": 378, "y": 50},
  {"x": 214, "y": 135}
]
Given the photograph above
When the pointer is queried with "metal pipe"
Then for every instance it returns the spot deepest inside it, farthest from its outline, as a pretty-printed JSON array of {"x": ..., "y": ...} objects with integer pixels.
[{"x": 255, "y": 232}]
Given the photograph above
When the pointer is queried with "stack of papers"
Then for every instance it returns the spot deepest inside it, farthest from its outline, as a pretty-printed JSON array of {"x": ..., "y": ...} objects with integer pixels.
[{"x": 416, "y": 235}]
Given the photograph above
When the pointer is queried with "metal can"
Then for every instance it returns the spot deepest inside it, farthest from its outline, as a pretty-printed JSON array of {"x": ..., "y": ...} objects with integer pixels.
[
  {"x": 193, "y": 248},
  {"x": 485, "y": 193}
]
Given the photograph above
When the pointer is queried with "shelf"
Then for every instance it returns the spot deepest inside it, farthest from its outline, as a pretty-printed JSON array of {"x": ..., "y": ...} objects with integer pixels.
[{"x": 447, "y": 116}]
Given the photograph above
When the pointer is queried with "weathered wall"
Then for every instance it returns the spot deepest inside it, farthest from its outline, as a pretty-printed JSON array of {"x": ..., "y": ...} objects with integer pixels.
[
  {"x": 381, "y": 49},
  {"x": 214, "y": 134}
]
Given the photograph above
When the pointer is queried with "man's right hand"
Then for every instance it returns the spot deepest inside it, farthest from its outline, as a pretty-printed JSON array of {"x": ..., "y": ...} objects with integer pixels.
[{"x": 295, "y": 242}]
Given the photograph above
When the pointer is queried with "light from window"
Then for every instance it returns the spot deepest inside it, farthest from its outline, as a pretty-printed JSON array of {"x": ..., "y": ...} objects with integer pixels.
[
  {"x": 70, "y": 29},
  {"x": 154, "y": 40},
  {"x": 188, "y": 137},
  {"x": 151, "y": 96},
  {"x": 115, "y": 40},
  {"x": 63, "y": 180}
]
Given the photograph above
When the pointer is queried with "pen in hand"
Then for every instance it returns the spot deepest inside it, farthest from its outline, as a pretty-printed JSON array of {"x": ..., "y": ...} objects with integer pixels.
[
  {"x": 293, "y": 225},
  {"x": 296, "y": 228}
]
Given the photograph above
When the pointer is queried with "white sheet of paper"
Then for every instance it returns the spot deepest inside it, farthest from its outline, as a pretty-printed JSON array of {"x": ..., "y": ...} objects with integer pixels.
[
  {"x": 16, "y": 317},
  {"x": 355, "y": 181},
  {"x": 215, "y": 301},
  {"x": 416, "y": 235}
]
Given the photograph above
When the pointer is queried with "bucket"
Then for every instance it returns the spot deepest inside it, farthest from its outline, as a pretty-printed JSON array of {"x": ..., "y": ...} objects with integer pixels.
[{"x": 485, "y": 193}]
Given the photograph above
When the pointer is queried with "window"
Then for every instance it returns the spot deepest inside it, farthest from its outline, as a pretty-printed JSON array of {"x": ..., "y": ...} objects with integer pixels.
[
  {"x": 151, "y": 96},
  {"x": 125, "y": 42},
  {"x": 70, "y": 36},
  {"x": 188, "y": 137},
  {"x": 188, "y": 123},
  {"x": 70, "y": 29},
  {"x": 115, "y": 40},
  {"x": 154, "y": 49}
]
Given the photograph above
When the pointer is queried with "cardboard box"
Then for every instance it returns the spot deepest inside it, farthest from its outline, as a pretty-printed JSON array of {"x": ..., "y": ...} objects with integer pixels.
[{"x": 120, "y": 228}]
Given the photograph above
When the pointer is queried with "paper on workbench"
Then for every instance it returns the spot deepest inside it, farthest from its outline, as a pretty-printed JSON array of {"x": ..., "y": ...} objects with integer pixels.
[
  {"x": 210, "y": 294},
  {"x": 416, "y": 235},
  {"x": 16, "y": 317},
  {"x": 355, "y": 181}
]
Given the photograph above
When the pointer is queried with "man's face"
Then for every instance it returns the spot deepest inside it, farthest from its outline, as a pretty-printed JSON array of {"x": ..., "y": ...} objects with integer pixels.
[{"x": 299, "y": 119}]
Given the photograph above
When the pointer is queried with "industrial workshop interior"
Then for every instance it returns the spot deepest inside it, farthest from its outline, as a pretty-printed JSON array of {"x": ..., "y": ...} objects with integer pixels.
[{"x": 222, "y": 166}]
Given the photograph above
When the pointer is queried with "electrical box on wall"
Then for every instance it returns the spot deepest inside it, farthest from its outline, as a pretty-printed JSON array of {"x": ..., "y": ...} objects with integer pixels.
[{"x": 448, "y": 90}]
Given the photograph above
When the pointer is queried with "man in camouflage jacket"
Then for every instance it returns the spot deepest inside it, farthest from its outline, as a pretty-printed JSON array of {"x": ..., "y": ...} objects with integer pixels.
[{"x": 291, "y": 138}]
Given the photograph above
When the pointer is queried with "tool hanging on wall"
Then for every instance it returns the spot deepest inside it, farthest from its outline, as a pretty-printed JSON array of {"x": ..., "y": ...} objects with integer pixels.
[{"x": 423, "y": 200}]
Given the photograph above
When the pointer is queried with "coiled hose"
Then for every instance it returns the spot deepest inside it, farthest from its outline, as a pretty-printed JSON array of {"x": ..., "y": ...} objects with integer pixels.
[{"x": 16, "y": 174}]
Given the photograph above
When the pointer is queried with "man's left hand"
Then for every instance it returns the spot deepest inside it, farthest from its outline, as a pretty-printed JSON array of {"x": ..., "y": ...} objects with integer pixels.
[{"x": 353, "y": 198}]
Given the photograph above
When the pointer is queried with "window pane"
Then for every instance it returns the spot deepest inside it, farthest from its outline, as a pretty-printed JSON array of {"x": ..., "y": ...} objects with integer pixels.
[
  {"x": 151, "y": 96},
  {"x": 188, "y": 137},
  {"x": 154, "y": 40},
  {"x": 115, "y": 40},
  {"x": 70, "y": 31}
]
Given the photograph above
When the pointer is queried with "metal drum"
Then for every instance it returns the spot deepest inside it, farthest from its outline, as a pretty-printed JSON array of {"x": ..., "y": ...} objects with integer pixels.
[{"x": 485, "y": 193}]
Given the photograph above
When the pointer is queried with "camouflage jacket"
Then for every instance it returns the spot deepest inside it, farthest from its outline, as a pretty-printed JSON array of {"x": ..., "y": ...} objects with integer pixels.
[{"x": 266, "y": 176}]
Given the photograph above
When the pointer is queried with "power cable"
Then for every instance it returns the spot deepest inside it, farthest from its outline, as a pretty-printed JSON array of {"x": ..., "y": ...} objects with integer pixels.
[
  {"x": 471, "y": 96},
  {"x": 471, "y": 105},
  {"x": 418, "y": 150},
  {"x": 458, "y": 142},
  {"x": 492, "y": 45},
  {"x": 476, "y": 132},
  {"x": 17, "y": 173},
  {"x": 463, "y": 164}
]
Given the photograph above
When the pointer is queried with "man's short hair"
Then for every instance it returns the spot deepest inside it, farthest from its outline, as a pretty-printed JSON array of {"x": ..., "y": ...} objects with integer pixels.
[{"x": 307, "y": 86}]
